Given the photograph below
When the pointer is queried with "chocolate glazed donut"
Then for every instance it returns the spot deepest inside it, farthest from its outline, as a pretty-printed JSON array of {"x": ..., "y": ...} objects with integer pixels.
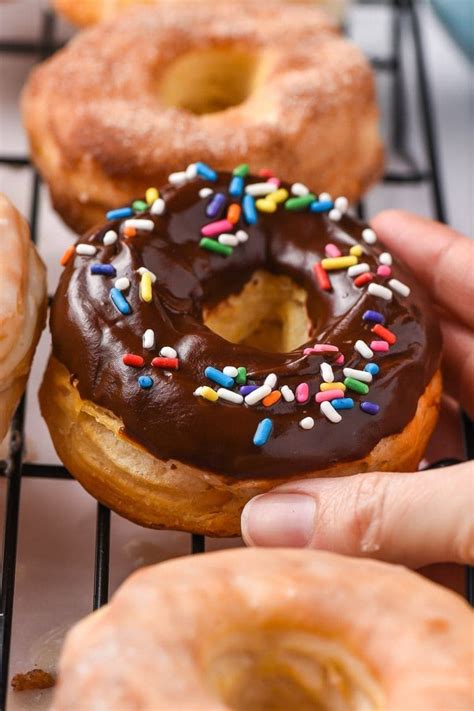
[{"x": 370, "y": 360}]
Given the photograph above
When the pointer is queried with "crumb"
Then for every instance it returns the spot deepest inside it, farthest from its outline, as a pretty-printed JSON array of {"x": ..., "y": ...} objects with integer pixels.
[{"x": 34, "y": 679}]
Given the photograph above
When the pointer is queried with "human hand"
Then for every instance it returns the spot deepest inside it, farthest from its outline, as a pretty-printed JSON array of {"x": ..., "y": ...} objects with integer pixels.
[{"x": 414, "y": 519}]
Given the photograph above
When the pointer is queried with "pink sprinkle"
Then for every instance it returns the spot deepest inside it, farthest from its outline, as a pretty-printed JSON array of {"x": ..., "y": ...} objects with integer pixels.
[
  {"x": 381, "y": 346},
  {"x": 383, "y": 270},
  {"x": 331, "y": 250},
  {"x": 217, "y": 228},
  {"x": 340, "y": 360},
  {"x": 274, "y": 181},
  {"x": 328, "y": 395},
  {"x": 321, "y": 348},
  {"x": 302, "y": 392}
]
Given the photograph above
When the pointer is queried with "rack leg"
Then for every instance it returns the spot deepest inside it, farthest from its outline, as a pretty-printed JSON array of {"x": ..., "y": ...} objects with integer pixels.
[{"x": 102, "y": 557}]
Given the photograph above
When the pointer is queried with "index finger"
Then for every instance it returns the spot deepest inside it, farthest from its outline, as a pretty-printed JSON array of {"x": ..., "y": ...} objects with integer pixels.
[{"x": 441, "y": 258}]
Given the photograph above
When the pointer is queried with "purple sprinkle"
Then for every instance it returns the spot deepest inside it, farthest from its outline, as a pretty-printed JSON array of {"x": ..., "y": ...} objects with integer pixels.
[
  {"x": 246, "y": 389},
  {"x": 216, "y": 205},
  {"x": 369, "y": 407},
  {"x": 373, "y": 316}
]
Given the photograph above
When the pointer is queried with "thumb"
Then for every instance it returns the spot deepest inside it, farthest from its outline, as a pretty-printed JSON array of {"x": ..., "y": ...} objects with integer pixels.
[{"x": 413, "y": 519}]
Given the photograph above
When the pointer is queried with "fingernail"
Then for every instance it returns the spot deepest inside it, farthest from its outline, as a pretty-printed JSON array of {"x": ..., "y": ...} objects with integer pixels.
[{"x": 279, "y": 520}]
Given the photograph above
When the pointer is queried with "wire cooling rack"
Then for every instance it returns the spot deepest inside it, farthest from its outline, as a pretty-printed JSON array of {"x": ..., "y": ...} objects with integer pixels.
[{"x": 405, "y": 27}]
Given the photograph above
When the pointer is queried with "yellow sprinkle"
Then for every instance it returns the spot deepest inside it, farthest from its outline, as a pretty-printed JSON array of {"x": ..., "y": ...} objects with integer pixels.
[
  {"x": 356, "y": 250},
  {"x": 209, "y": 394},
  {"x": 265, "y": 205},
  {"x": 278, "y": 196},
  {"x": 338, "y": 262},
  {"x": 151, "y": 195},
  {"x": 145, "y": 287},
  {"x": 332, "y": 386}
]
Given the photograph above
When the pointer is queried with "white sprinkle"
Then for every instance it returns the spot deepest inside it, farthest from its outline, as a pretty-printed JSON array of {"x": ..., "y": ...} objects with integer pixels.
[
  {"x": 258, "y": 394},
  {"x": 231, "y": 371},
  {"x": 168, "y": 352},
  {"x": 369, "y": 236},
  {"x": 148, "y": 339},
  {"x": 230, "y": 240},
  {"x": 379, "y": 290},
  {"x": 341, "y": 204},
  {"x": 287, "y": 394},
  {"x": 385, "y": 258},
  {"x": 271, "y": 380},
  {"x": 158, "y": 207},
  {"x": 144, "y": 270},
  {"x": 110, "y": 237},
  {"x": 335, "y": 215},
  {"x": 230, "y": 396},
  {"x": 399, "y": 287},
  {"x": 323, "y": 197},
  {"x": 242, "y": 235},
  {"x": 362, "y": 375},
  {"x": 307, "y": 423},
  {"x": 147, "y": 225},
  {"x": 329, "y": 412},
  {"x": 122, "y": 283},
  {"x": 326, "y": 373},
  {"x": 198, "y": 391},
  {"x": 364, "y": 350},
  {"x": 260, "y": 189},
  {"x": 191, "y": 171},
  {"x": 86, "y": 250},
  {"x": 205, "y": 192},
  {"x": 178, "y": 179},
  {"x": 358, "y": 269},
  {"x": 299, "y": 189}
]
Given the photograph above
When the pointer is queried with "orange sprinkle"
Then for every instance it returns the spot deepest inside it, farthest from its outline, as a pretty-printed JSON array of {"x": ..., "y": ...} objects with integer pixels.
[
  {"x": 67, "y": 255},
  {"x": 233, "y": 213},
  {"x": 272, "y": 399},
  {"x": 129, "y": 231}
]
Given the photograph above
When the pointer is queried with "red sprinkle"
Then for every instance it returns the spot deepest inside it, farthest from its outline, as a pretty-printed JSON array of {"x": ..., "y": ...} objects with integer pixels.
[
  {"x": 384, "y": 333},
  {"x": 169, "y": 363},
  {"x": 135, "y": 361},
  {"x": 363, "y": 279},
  {"x": 265, "y": 173},
  {"x": 321, "y": 276}
]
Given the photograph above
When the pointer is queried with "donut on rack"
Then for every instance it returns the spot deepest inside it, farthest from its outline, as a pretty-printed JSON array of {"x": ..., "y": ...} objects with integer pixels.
[
  {"x": 22, "y": 307},
  {"x": 228, "y": 333},
  {"x": 127, "y": 101}
]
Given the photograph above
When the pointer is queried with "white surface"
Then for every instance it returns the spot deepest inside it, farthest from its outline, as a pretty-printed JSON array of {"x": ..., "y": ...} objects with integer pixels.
[{"x": 56, "y": 543}]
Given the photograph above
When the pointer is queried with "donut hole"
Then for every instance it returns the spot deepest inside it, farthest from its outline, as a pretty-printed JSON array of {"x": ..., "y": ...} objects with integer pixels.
[
  {"x": 211, "y": 80},
  {"x": 269, "y": 313},
  {"x": 283, "y": 669}
]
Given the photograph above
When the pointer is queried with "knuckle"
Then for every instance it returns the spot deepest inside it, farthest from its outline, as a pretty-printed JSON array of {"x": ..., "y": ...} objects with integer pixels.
[{"x": 368, "y": 512}]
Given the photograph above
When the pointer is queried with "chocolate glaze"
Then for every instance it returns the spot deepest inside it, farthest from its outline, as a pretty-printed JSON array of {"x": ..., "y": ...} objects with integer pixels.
[{"x": 90, "y": 337}]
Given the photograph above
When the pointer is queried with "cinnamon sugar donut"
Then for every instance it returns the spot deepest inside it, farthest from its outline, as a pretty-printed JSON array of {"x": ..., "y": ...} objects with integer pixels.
[
  {"x": 246, "y": 630},
  {"x": 234, "y": 333},
  {"x": 129, "y": 101},
  {"x": 22, "y": 307}
]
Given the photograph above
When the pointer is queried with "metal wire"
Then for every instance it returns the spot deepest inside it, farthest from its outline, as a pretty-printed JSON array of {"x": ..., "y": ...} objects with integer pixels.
[{"x": 404, "y": 13}]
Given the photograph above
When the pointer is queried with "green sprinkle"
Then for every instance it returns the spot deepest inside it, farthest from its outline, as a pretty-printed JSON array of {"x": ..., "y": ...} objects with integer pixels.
[
  {"x": 241, "y": 170},
  {"x": 300, "y": 203},
  {"x": 214, "y": 246},
  {"x": 356, "y": 385},
  {"x": 241, "y": 378},
  {"x": 140, "y": 206}
]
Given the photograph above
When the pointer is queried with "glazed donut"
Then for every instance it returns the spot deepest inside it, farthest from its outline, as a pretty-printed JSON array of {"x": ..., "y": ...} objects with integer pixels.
[
  {"x": 22, "y": 307},
  {"x": 128, "y": 101},
  {"x": 181, "y": 390},
  {"x": 254, "y": 629},
  {"x": 88, "y": 12}
]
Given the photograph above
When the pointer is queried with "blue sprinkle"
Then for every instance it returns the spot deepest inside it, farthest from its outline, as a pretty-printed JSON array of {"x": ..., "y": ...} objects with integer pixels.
[
  {"x": 250, "y": 211},
  {"x": 263, "y": 432},
  {"x": 145, "y": 382},
  {"x": 104, "y": 269},
  {"x": 204, "y": 171},
  {"x": 369, "y": 407},
  {"x": 342, "y": 403},
  {"x": 216, "y": 205},
  {"x": 372, "y": 368},
  {"x": 120, "y": 302},
  {"x": 119, "y": 213},
  {"x": 246, "y": 389},
  {"x": 236, "y": 187},
  {"x": 373, "y": 316},
  {"x": 219, "y": 377},
  {"x": 321, "y": 206}
]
